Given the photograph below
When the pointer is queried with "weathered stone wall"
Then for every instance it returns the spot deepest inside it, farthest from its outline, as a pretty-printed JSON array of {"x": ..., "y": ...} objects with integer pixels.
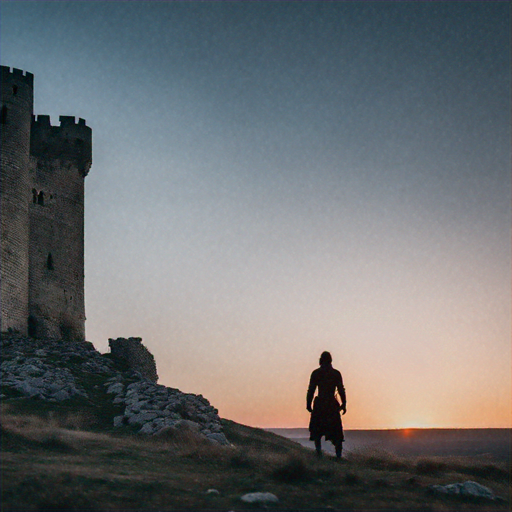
[
  {"x": 16, "y": 114},
  {"x": 60, "y": 159},
  {"x": 134, "y": 355}
]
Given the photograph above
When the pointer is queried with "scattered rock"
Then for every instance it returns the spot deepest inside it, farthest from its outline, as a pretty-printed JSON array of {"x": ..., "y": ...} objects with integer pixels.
[
  {"x": 188, "y": 425},
  {"x": 213, "y": 492},
  {"x": 260, "y": 497},
  {"x": 147, "y": 428},
  {"x": 115, "y": 388},
  {"x": 119, "y": 421},
  {"x": 61, "y": 395},
  {"x": 218, "y": 437},
  {"x": 466, "y": 489}
]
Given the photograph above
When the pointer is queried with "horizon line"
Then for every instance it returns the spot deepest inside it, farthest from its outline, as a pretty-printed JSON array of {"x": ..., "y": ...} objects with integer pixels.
[{"x": 394, "y": 428}]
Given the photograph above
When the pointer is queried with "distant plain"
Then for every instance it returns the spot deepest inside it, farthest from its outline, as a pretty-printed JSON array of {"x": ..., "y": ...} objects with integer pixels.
[{"x": 492, "y": 443}]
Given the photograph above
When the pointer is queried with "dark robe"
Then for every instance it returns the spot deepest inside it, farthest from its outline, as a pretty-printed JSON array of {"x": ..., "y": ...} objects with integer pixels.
[{"x": 325, "y": 418}]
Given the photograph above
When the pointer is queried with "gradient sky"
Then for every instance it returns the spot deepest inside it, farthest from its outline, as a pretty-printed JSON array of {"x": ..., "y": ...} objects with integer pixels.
[{"x": 275, "y": 179}]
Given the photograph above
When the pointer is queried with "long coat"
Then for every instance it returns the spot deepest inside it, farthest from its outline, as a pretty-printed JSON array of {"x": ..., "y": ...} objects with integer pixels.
[{"x": 325, "y": 418}]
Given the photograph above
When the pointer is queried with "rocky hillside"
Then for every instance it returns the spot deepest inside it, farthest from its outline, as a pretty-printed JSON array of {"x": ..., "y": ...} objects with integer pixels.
[{"x": 75, "y": 374}]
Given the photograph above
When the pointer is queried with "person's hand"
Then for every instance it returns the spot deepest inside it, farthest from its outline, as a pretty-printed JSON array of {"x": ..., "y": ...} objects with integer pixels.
[
  {"x": 343, "y": 409},
  {"x": 309, "y": 408}
]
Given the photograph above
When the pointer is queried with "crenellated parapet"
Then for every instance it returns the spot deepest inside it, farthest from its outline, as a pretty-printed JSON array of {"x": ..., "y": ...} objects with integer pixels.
[
  {"x": 17, "y": 75},
  {"x": 71, "y": 141}
]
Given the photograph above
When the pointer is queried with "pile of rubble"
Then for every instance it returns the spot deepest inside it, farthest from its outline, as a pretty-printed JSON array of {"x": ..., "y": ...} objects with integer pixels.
[
  {"x": 156, "y": 408},
  {"x": 53, "y": 371}
]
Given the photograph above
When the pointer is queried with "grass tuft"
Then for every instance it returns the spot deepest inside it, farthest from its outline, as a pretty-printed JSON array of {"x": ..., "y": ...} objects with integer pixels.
[
  {"x": 293, "y": 470},
  {"x": 377, "y": 459},
  {"x": 488, "y": 471},
  {"x": 241, "y": 460},
  {"x": 430, "y": 467},
  {"x": 55, "y": 442},
  {"x": 352, "y": 479}
]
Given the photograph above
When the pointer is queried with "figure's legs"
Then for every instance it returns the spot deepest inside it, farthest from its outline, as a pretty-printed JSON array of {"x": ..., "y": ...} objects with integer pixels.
[
  {"x": 318, "y": 446},
  {"x": 339, "y": 449}
]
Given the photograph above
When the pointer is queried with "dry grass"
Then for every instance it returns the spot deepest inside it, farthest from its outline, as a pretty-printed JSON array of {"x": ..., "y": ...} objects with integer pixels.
[{"x": 55, "y": 465}]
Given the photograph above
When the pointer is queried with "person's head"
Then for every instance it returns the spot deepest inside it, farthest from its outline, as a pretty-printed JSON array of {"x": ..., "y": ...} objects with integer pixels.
[{"x": 325, "y": 358}]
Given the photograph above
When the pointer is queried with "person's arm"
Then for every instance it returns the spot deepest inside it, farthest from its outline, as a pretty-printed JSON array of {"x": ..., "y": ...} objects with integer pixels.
[
  {"x": 311, "y": 392},
  {"x": 343, "y": 395}
]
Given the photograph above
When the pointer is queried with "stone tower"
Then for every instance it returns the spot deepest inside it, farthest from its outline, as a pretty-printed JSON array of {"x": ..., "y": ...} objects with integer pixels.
[
  {"x": 50, "y": 207},
  {"x": 16, "y": 117}
]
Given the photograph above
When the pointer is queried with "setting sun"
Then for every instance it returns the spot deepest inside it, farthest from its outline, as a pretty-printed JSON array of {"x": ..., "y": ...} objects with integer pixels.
[{"x": 416, "y": 424}]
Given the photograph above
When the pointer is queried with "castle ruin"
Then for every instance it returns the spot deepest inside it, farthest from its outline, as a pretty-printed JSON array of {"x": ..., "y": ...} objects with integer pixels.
[{"x": 42, "y": 216}]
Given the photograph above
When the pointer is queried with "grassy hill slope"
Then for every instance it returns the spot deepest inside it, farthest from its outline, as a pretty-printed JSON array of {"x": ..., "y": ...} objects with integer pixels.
[{"x": 63, "y": 460}]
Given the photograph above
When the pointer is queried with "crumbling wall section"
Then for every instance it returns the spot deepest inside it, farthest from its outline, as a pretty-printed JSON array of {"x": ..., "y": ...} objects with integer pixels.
[{"x": 134, "y": 355}]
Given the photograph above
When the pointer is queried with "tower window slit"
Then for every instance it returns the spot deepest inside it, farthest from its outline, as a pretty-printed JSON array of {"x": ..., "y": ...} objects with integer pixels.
[
  {"x": 49, "y": 262},
  {"x": 3, "y": 116},
  {"x": 40, "y": 198}
]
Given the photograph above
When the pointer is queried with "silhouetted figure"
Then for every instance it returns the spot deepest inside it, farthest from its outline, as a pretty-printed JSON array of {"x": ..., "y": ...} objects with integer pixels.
[{"x": 325, "y": 413}]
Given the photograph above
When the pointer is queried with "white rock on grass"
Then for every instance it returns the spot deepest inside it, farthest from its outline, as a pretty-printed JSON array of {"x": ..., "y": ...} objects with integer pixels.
[
  {"x": 260, "y": 497},
  {"x": 218, "y": 438},
  {"x": 469, "y": 489}
]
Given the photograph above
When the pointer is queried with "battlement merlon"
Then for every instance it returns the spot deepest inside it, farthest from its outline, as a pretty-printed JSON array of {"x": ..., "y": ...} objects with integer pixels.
[
  {"x": 17, "y": 75},
  {"x": 70, "y": 141}
]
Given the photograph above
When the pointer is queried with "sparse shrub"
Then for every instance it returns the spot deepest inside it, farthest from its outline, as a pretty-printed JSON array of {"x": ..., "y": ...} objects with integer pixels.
[
  {"x": 184, "y": 440},
  {"x": 241, "y": 459},
  {"x": 488, "y": 471},
  {"x": 323, "y": 472},
  {"x": 39, "y": 432},
  {"x": 55, "y": 443},
  {"x": 381, "y": 482},
  {"x": 430, "y": 467},
  {"x": 411, "y": 482},
  {"x": 65, "y": 504},
  {"x": 352, "y": 479},
  {"x": 380, "y": 460},
  {"x": 51, "y": 493},
  {"x": 293, "y": 470}
]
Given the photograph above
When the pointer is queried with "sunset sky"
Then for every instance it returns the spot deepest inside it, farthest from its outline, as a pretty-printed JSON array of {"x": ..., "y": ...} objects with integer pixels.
[{"x": 275, "y": 179}]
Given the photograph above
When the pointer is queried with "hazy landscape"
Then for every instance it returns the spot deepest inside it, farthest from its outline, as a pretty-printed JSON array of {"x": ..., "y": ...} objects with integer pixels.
[{"x": 492, "y": 444}]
